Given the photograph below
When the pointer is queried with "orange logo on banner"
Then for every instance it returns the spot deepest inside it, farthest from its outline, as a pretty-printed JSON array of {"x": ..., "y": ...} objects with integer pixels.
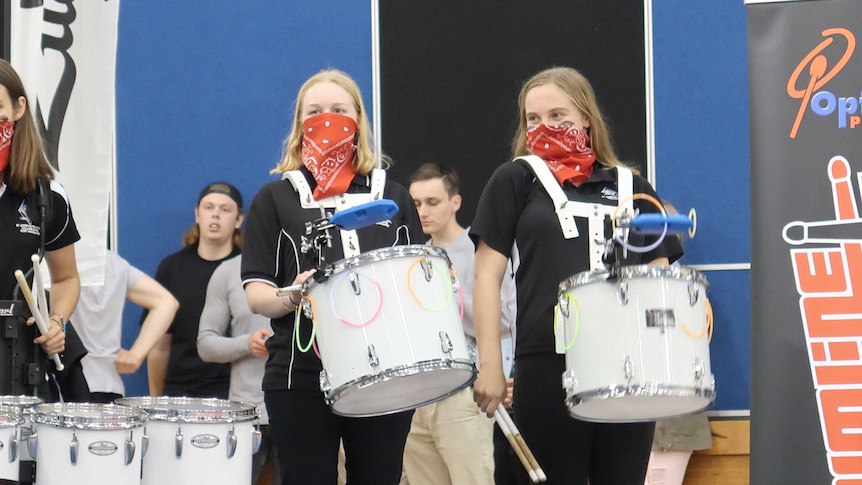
[
  {"x": 829, "y": 281},
  {"x": 817, "y": 65}
]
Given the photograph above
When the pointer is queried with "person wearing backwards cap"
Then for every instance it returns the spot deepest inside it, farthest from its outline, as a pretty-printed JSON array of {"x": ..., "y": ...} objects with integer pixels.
[{"x": 173, "y": 365}]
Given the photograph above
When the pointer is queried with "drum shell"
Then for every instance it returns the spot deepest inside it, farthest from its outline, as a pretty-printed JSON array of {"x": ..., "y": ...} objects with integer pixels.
[
  {"x": 109, "y": 439},
  {"x": 200, "y": 428},
  {"x": 11, "y": 421},
  {"x": 637, "y": 346},
  {"x": 26, "y": 406},
  {"x": 402, "y": 315}
]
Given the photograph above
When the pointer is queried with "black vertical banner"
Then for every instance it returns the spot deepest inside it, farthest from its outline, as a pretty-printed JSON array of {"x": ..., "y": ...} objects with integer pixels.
[
  {"x": 806, "y": 242},
  {"x": 451, "y": 71}
]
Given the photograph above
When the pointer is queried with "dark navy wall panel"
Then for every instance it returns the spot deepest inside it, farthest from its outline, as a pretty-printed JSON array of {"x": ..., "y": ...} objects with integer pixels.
[{"x": 205, "y": 91}]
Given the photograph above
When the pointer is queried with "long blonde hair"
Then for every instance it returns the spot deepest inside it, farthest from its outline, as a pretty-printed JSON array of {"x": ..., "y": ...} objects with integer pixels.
[
  {"x": 581, "y": 93},
  {"x": 291, "y": 158}
]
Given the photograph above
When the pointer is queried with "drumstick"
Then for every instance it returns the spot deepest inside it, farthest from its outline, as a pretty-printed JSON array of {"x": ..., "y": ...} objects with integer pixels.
[
  {"x": 516, "y": 447},
  {"x": 41, "y": 324},
  {"x": 522, "y": 445},
  {"x": 39, "y": 288}
]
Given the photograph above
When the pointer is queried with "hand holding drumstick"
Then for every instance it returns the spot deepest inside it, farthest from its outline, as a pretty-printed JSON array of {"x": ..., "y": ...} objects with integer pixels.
[{"x": 48, "y": 334}]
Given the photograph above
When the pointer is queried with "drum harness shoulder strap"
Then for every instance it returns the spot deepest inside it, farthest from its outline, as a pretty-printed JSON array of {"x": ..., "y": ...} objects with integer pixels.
[
  {"x": 567, "y": 209},
  {"x": 349, "y": 240}
]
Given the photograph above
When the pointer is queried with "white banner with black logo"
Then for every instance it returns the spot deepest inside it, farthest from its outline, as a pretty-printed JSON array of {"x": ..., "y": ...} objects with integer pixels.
[{"x": 66, "y": 52}]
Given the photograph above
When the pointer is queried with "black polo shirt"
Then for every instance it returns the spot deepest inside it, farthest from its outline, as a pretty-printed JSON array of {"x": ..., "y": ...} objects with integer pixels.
[
  {"x": 515, "y": 208},
  {"x": 274, "y": 226},
  {"x": 20, "y": 235}
]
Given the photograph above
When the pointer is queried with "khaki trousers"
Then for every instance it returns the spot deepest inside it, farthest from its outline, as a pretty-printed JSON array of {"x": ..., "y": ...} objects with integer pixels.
[{"x": 450, "y": 443}]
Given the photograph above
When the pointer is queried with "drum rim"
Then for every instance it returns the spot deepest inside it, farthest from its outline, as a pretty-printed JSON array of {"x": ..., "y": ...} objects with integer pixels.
[
  {"x": 350, "y": 387},
  {"x": 634, "y": 271},
  {"x": 106, "y": 417},
  {"x": 21, "y": 401},
  {"x": 643, "y": 389},
  {"x": 381, "y": 254},
  {"x": 210, "y": 410},
  {"x": 10, "y": 416}
]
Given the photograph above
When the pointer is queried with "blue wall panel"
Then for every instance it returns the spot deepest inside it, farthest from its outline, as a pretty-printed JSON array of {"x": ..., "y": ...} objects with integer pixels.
[{"x": 205, "y": 91}]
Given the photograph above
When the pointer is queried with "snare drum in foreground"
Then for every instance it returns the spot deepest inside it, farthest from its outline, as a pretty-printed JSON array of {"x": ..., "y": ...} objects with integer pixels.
[
  {"x": 10, "y": 444},
  {"x": 26, "y": 405},
  {"x": 87, "y": 444},
  {"x": 637, "y": 346},
  {"x": 195, "y": 441},
  {"x": 388, "y": 325}
]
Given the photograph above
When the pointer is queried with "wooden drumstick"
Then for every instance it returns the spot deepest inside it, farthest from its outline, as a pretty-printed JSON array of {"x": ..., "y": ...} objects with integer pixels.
[
  {"x": 41, "y": 324},
  {"x": 501, "y": 422},
  {"x": 522, "y": 445}
]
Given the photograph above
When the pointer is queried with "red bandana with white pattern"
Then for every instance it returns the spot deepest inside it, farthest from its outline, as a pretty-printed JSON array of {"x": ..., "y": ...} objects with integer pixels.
[
  {"x": 328, "y": 149},
  {"x": 565, "y": 149},
  {"x": 6, "y": 129}
]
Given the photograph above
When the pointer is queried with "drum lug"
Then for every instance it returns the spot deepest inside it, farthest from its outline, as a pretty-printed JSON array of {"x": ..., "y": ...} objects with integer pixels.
[
  {"x": 563, "y": 304},
  {"x": 130, "y": 448},
  {"x": 33, "y": 444},
  {"x": 73, "y": 449},
  {"x": 178, "y": 442},
  {"x": 306, "y": 309},
  {"x": 324, "y": 381},
  {"x": 256, "y": 439},
  {"x": 693, "y": 292},
  {"x": 697, "y": 369},
  {"x": 373, "y": 361},
  {"x": 230, "y": 441},
  {"x": 145, "y": 443},
  {"x": 569, "y": 380},
  {"x": 445, "y": 342},
  {"x": 622, "y": 292},
  {"x": 353, "y": 277},
  {"x": 13, "y": 447},
  {"x": 427, "y": 269},
  {"x": 629, "y": 367}
]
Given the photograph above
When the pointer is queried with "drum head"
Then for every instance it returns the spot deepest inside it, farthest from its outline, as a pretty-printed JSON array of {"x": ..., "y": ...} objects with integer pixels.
[{"x": 402, "y": 390}]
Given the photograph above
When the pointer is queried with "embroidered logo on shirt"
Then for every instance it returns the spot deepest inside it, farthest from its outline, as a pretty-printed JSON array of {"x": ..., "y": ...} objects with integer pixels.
[
  {"x": 26, "y": 226},
  {"x": 610, "y": 194},
  {"x": 385, "y": 223}
]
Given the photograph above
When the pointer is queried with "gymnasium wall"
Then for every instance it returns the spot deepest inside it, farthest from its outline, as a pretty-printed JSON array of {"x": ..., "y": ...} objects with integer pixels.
[{"x": 205, "y": 92}]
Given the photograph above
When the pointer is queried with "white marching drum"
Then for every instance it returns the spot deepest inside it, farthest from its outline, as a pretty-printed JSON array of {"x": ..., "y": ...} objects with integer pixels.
[
  {"x": 10, "y": 444},
  {"x": 87, "y": 444},
  {"x": 26, "y": 406},
  {"x": 196, "y": 441},
  {"x": 637, "y": 346},
  {"x": 388, "y": 324}
]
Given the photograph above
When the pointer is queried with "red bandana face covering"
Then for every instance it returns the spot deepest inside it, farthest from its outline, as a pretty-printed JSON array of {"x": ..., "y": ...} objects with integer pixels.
[
  {"x": 328, "y": 149},
  {"x": 565, "y": 149},
  {"x": 6, "y": 129}
]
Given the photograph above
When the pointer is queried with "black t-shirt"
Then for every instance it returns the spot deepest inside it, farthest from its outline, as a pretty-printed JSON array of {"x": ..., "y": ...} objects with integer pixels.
[
  {"x": 274, "y": 227},
  {"x": 186, "y": 275},
  {"x": 516, "y": 208},
  {"x": 20, "y": 235}
]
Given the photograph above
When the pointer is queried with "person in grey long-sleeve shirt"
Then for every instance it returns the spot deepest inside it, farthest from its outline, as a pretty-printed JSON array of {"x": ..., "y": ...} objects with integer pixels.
[{"x": 230, "y": 333}]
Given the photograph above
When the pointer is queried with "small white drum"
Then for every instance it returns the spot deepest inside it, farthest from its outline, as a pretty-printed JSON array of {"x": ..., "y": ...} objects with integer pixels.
[
  {"x": 10, "y": 444},
  {"x": 26, "y": 405},
  {"x": 637, "y": 346},
  {"x": 87, "y": 444},
  {"x": 196, "y": 441},
  {"x": 388, "y": 324}
]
